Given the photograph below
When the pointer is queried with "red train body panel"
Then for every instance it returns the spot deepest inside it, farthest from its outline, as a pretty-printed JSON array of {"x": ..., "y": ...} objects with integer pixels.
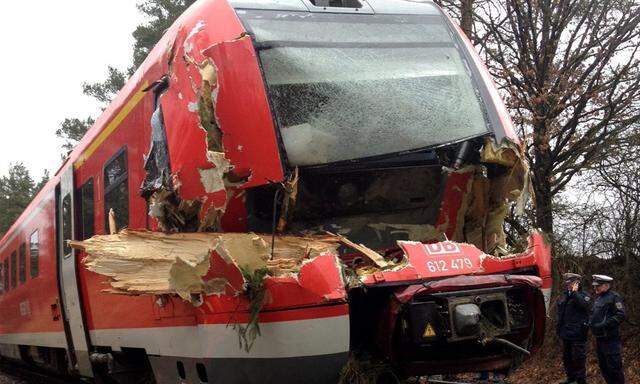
[{"x": 207, "y": 78}]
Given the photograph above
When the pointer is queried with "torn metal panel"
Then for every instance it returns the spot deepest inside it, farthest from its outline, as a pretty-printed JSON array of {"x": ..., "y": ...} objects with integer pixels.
[
  {"x": 199, "y": 120},
  {"x": 514, "y": 184},
  {"x": 213, "y": 179},
  {"x": 166, "y": 204},
  {"x": 455, "y": 201},
  {"x": 476, "y": 197},
  {"x": 207, "y": 94},
  {"x": 448, "y": 258},
  {"x": 318, "y": 280},
  {"x": 156, "y": 162},
  {"x": 218, "y": 177},
  {"x": 174, "y": 214}
]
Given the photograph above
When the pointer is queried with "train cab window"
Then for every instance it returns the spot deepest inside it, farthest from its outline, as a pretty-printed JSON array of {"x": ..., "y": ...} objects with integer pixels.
[
  {"x": 66, "y": 224},
  {"x": 116, "y": 190},
  {"x": 87, "y": 209},
  {"x": 6, "y": 274},
  {"x": 14, "y": 271},
  {"x": 34, "y": 254},
  {"x": 22, "y": 266}
]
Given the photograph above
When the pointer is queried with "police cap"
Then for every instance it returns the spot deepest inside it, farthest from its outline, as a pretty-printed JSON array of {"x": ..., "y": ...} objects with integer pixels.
[
  {"x": 569, "y": 277},
  {"x": 601, "y": 279}
]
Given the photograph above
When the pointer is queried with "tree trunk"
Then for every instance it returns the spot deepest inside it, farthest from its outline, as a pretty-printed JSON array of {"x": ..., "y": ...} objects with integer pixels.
[
  {"x": 466, "y": 17},
  {"x": 544, "y": 206},
  {"x": 542, "y": 169}
]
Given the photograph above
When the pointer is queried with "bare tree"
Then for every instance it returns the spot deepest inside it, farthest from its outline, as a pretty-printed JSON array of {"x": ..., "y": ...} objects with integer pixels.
[
  {"x": 463, "y": 11},
  {"x": 618, "y": 180},
  {"x": 569, "y": 73}
]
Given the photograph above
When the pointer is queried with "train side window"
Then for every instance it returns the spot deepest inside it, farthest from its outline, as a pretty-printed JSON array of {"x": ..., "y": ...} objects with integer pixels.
[
  {"x": 22, "y": 266},
  {"x": 34, "y": 254},
  {"x": 14, "y": 269},
  {"x": 88, "y": 213},
  {"x": 1, "y": 278},
  {"x": 116, "y": 190},
  {"x": 6, "y": 274},
  {"x": 66, "y": 225}
]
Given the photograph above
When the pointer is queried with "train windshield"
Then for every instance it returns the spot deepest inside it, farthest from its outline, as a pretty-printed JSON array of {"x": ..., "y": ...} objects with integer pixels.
[{"x": 347, "y": 86}]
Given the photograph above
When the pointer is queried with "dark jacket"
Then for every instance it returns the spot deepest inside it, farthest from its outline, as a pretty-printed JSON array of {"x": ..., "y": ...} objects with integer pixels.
[
  {"x": 573, "y": 315},
  {"x": 608, "y": 313}
]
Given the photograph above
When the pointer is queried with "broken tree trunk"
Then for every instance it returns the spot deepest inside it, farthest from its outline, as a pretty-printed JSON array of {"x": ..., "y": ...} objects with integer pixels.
[{"x": 143, "y": 262}]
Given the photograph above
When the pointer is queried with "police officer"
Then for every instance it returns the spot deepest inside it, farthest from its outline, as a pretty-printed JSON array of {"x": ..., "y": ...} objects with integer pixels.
[
  {"x": 608, "y": 313},
  {"x": 572, "y": 327}
]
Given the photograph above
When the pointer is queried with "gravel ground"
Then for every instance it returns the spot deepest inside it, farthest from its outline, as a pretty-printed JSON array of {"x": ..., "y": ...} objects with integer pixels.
[{"x": 7, "y": 379}]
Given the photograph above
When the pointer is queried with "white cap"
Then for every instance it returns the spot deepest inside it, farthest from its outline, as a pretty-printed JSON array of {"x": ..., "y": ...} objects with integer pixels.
[{"x": 601, "y": 279}]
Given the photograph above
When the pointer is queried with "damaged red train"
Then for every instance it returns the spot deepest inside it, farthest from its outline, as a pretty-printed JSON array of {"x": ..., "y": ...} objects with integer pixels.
[{"x": 283, "y": 189}]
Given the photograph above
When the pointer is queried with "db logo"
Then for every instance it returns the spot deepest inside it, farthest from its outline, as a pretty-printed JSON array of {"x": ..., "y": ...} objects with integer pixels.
[{"x": 444, "y": 248}]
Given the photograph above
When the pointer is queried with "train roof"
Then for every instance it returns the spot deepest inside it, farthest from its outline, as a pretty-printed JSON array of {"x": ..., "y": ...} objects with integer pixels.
[{"x": 367, "y": 6}]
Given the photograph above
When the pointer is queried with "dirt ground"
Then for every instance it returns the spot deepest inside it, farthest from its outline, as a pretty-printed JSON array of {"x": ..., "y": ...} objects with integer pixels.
[
  {"x": 546, "y": 366},
  {"x": 7, "y": 379}
]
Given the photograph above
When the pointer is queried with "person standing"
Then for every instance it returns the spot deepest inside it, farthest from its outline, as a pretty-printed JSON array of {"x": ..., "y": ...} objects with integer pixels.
[
  {"x": 572, "y": 328},
  {"x": 608, "y": 313}
]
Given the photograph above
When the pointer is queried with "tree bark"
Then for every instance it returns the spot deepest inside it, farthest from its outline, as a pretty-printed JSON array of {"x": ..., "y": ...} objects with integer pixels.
[{"x": 466, "y": 17}]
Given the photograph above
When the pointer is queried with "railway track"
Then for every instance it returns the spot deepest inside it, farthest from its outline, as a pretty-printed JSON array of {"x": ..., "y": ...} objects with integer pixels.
[
  {"x": 16, "y": 373},
  {"x": 465, "y": 380}
]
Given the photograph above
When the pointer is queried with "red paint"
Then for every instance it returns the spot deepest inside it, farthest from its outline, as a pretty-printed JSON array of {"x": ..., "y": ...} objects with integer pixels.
[
  {"x": 456, "y": 187},
  {"x": 320, "y": 312},
  {"x": 442, "y": 259},
  {"x": 437, "y": 260},
  {"x": 39, "y": 317}
]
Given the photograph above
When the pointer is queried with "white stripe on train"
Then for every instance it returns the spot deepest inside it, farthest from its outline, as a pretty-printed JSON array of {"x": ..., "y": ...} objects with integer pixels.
[
  {"x": 40, "y": 339},
  {"x": 312, "y": 337}
]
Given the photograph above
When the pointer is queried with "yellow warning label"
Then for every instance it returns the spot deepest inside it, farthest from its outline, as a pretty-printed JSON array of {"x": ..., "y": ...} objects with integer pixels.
[{"x": 428, "y": 331}]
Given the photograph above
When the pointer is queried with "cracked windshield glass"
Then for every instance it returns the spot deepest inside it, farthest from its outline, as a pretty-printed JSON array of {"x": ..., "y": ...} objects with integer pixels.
[{"x": 348, "y": 87}]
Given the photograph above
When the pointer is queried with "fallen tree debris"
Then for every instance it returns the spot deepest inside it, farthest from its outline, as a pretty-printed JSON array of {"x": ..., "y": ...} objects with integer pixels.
[
  {"x": 156, "y": 263},
  {"x": 256, "y": 294},
  {"x": 374, "y": 256},
  {"x": 289, "y": 200}
]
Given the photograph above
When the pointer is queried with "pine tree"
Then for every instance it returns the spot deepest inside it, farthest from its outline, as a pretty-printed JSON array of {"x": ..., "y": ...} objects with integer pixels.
[
  {"x": 160, "y": 15},
  {"x": 16, "y": 191}
]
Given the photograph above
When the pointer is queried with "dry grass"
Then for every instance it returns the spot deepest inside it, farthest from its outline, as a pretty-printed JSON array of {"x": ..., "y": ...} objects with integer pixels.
[{"x": 546, "y": 366}]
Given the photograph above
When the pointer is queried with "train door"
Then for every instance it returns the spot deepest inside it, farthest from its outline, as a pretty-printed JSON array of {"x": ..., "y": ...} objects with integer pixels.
[{"x": 76, "y": 331}]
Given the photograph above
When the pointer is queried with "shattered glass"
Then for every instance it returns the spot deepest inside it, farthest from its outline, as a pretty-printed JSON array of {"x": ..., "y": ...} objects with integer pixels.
[
  {"x": 346, "y": 88},
  {"x": 116, "y": 191},
  {"x": 115, "y": 170},
  {"x": 156, "y": 162}
]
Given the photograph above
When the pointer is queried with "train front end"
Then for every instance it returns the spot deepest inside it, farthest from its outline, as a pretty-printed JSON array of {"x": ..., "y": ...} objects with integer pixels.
[
  {"x": 328, "y": 181},
  {"x": 400, "y": 143}
]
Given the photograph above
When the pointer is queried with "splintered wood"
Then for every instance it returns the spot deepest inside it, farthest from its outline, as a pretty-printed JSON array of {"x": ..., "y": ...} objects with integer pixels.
[
  {"x": 143, "y": 262},
  {"x": 370, "y": 253}
]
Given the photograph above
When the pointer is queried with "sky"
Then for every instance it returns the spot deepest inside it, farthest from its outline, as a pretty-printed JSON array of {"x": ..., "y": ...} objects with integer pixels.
[{"x": 49, "y": 48}]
